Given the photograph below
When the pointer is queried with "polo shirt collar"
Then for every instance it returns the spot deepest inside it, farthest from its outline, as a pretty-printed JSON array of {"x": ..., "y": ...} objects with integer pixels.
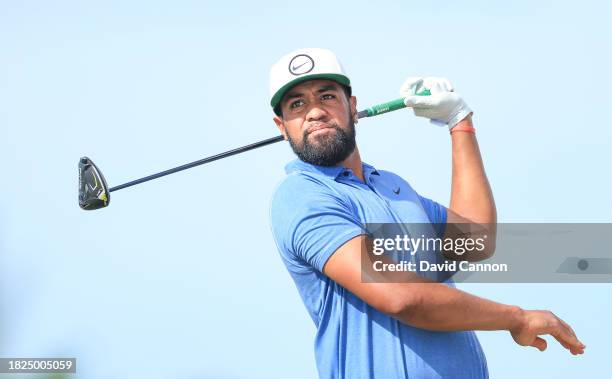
[
  {"x": 331, "y": 172},
  {"x": 369, "y": 170}
]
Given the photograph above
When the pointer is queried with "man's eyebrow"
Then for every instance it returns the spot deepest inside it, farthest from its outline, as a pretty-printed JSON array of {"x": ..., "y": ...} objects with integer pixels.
[
  {"x": 327, "y": 87},
  {"x": 292, "y": 95},
  {"x": 324, "y": 88}
]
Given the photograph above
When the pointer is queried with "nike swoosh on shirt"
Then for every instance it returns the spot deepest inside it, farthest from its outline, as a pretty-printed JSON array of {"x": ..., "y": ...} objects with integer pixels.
[{"x": 397, "y": 191}]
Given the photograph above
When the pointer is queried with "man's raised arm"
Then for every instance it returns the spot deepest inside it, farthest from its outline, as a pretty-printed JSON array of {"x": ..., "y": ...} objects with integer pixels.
[{"x": 472, "y": 208}]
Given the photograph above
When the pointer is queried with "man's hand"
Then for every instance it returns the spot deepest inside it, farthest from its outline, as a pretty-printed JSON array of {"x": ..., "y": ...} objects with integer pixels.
[
  {"x": 442, "y": 107},
  {"x": 534, "y": 323}
]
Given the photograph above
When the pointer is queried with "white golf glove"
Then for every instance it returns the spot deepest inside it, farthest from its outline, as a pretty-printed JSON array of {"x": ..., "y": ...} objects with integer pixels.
[{"x": 442, "y": 107}]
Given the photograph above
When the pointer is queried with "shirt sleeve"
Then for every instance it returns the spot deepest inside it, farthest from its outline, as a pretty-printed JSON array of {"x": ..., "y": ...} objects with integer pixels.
[
  {"x": 437, "y": 214},
  {"x": 311, "y": 222}
]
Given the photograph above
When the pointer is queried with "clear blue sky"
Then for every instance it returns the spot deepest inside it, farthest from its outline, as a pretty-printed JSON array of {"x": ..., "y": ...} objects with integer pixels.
[{"x": 180, "y": 277}]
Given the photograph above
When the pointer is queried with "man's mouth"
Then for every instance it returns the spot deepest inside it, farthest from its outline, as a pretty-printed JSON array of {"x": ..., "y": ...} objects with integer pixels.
[{"x": 317, "y": 127}]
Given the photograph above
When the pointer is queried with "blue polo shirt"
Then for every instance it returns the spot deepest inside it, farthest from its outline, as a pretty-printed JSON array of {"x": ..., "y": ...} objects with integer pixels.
[{"x": 314, "y": 211}]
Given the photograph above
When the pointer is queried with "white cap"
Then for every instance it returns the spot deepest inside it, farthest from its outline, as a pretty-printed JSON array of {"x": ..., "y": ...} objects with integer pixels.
[{"x": 302, "y": 65}]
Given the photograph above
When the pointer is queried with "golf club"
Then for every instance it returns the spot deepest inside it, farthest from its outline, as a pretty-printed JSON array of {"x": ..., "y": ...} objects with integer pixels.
[{"x": 94, "y": 192}]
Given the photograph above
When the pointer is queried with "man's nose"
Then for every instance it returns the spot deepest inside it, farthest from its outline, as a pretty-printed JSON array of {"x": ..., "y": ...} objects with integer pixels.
[{"x": 316, "y": 112}]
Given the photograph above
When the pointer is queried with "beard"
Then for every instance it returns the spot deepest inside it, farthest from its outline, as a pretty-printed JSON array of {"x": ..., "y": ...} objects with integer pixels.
[{"x": 328, "y": 150}]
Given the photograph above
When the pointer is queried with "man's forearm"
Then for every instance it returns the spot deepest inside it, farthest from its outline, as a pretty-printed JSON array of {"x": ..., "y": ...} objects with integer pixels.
[
  {"x": 471, "y": 195},
  {"x": 436, "y": 306}
]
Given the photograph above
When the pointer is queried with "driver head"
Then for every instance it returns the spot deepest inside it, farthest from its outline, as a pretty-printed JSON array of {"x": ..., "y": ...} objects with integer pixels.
[{"x": 93, "y": 192}]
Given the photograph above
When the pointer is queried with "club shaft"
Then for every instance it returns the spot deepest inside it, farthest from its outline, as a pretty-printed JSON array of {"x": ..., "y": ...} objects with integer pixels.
[
  {"x": 373, "y": 111},
  {"x": 199, "y": 162}
]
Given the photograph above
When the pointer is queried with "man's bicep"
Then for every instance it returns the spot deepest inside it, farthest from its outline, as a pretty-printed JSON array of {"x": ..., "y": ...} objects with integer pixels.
[{"x": 348, "y": 266}]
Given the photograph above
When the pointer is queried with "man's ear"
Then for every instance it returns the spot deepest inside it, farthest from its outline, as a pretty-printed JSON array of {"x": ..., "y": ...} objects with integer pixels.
[
  {"x": 353, "y": 105},
  {"x": 281, "y": 126}
]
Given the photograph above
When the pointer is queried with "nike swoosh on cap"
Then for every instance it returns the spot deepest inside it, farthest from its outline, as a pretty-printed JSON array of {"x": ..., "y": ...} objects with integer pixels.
[{"x": 296, "y": 67}]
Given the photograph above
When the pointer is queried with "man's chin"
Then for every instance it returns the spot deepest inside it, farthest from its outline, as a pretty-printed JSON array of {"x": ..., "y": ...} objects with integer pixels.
[{"x": 324, "y": 147}]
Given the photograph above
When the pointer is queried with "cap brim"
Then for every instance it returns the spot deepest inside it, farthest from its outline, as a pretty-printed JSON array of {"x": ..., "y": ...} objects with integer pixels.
[{"x": 281, "y": 92}]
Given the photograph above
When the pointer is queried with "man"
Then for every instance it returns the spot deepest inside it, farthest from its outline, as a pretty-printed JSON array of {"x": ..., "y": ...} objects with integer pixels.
[{"x": 381, "y": 329}]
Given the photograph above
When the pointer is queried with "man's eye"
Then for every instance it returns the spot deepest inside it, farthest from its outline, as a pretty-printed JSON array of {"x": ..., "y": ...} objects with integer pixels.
[
  {"x": 296, "y": 104},
  {"x": 328, "y": 96}
]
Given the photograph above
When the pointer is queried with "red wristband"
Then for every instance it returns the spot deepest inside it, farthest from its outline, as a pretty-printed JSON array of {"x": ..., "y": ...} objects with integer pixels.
[{"x": 467, "y": 129}]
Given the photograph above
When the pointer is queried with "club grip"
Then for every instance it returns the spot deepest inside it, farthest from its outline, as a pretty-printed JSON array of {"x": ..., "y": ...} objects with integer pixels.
[{"x": 390, "y": 106}]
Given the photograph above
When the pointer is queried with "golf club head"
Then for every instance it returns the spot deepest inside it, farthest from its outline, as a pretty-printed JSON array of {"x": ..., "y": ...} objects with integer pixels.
[{"x": 93, "y": 192}]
